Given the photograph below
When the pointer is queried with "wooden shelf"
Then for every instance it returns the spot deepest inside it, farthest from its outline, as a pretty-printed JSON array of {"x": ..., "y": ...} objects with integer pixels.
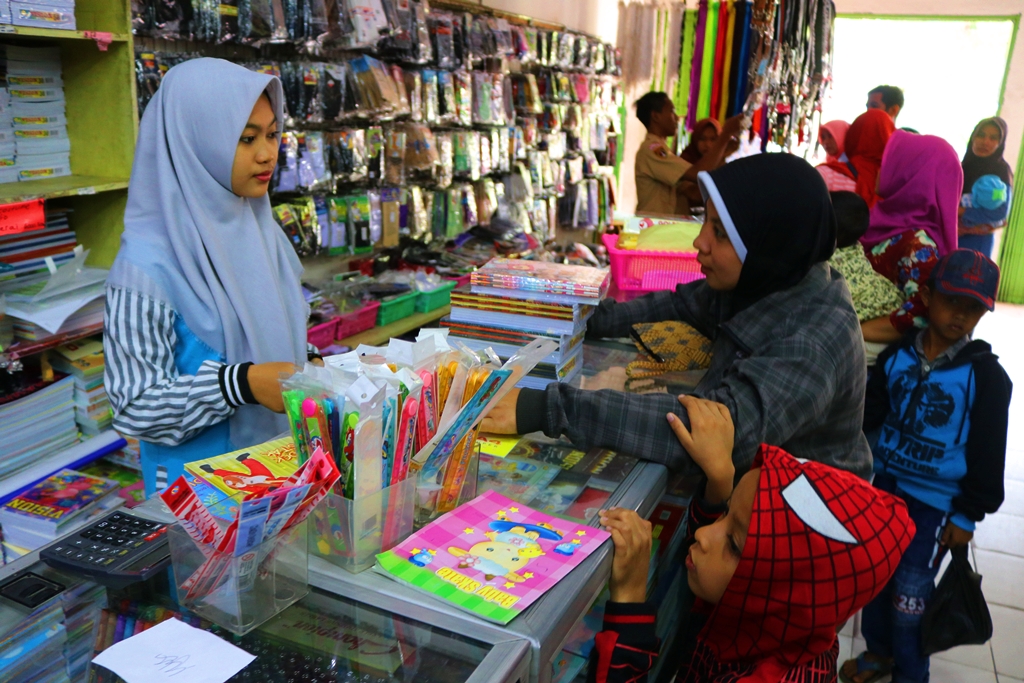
[
  {"x": 52, "y": 188},
  {"x": 379, "y": 335},
  {"x": 33, "y": 32},
  {"x": 23, "y": 348}
]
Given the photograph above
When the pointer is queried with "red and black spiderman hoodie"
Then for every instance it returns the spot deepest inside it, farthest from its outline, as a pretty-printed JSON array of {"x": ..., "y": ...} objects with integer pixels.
[{"x": 821, "y": 544}]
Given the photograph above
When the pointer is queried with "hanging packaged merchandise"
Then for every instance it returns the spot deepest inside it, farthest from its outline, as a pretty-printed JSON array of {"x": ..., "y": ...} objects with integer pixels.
[
  {"x": 480, "y": 43},
  {"x": 533, "y": 164},
  {"x": 420, "y": 148},
  {"x": 419, "y": 213},
  {"x": 455, "y": 216},
  {"x": 430, "y": 99},
  {"x": 581, "y": 53},
  {"x": 375, "y": 160},
  {"x": 543, "y": 49},
  {"x": 261, "y": 21},
  {"x": 467, "y": 200},
  {"x": 503, "y": 39},
  {"x": 528, "y": 126},
  {"x": 368, "y": 22},
  {"x": 563, "y": 87},
  {"x": 486, "y": 200},
  {"x": 147, "y": 79},
  {"x": 414, "y": 88},
  {"x": 142, "y": 17},
  {"x": 376, "y": 216},
  {"x": 437, "y": 203},
  {"x": 545, "y": 86},
  {"x": 443, "y": 37},
  {"x": 463, "y": 82},
  {"x": 554, "y": 144},
  {"x": 518, "y": 142},
  {"x": 485, "y": 155},
  {"x": 597, "y": 57},
  {"x": 402, "y": 108},
  {"x": 394, "y": 151},
  {"x": 227, "y": 21},
  {"x": 580, "y": 84},
  {"x": 503, "y": 99},
  {"x": 589, "y": 164},
  {"x": 467, "y": 154},
  {"x": 398, "y": 43},
  {"x": 337, "y": 221},
  {"x": 445, "y": 173},
  {"x": 346, "y": 153},
  {"x": 483, "y": 102},
  {"x": 525, "y": 94},
  {"x": 573, "y": 114},
  {"x": 390, "y": 217},
  {"x": 373, "y": 86},
  {"x": 332, "y": 91},
  {"x": 359, "y": 223},
  {"x": 495, "y": 143},
  {"x": 171, "y": 19},
  {"x": 308, "y": 179},
  {"x": 288, "y": 217},
  {"x": 551, "y": 119},
  {"x": 286, "y": 175},
  {"x": 204, "y": 23},
  {"x": 448, "y": 110},
  {"x": 566, "y": 50},
  {"x": 311, "y": 149}
]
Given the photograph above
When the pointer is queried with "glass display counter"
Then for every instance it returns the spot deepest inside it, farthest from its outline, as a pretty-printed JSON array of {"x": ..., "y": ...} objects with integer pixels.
[{"x": 323, "y": 638}]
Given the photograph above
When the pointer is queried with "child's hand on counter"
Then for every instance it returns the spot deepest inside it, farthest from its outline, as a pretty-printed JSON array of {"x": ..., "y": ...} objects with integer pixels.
[
  {"x": 709, "y": 442},
  {"x": 631, "y": 535}
]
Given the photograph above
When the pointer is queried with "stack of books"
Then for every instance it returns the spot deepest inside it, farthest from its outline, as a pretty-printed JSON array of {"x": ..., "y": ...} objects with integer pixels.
[
  {"x": 24, "y": 254},
  {"x": 83, "y": 360},
  {"x": 36, "y": 91},
  {"x": 54, "y": 507},
  {"x": 509, "y": 302},
  {"x": 37, "y": 418},
  {"x": 8, "y": 174}
]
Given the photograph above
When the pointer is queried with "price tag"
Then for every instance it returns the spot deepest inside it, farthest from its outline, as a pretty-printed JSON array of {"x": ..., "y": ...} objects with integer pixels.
[{"x": 22, "y": 217}]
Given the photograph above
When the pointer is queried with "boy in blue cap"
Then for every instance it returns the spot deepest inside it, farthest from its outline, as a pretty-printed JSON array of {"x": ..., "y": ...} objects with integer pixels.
[{"x": 942, "y": 402}]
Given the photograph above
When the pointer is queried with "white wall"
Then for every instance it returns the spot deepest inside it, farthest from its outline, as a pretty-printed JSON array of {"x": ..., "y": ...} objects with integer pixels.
[
  {"x": 599, "y": 18},
  {"x": 1013, "y": 97}
]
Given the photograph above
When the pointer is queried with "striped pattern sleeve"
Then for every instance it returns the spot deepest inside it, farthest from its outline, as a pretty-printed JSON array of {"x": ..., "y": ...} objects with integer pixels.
[{"x": 151, "y": 401}]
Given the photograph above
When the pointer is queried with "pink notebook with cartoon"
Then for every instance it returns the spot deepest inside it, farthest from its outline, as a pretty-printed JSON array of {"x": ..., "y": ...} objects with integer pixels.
[{"x": 492, "y": 556}]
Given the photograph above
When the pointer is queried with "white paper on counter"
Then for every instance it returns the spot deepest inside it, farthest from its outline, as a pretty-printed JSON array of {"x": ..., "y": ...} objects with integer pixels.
[{"x": 174, "y": 651}]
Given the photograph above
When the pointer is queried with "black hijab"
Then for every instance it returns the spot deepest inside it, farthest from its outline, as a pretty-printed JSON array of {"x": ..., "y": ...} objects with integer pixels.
[
  {"x": 994, "y": 164},
  {"x": 780, "y": 208}
]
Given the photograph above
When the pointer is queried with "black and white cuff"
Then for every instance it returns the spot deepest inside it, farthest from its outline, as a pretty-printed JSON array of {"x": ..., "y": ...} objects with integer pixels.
[{"x": 234, "y": 384}]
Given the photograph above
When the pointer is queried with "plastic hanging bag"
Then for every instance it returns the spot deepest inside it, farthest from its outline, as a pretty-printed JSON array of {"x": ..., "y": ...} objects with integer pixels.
[{"x": 957, "y": 613}]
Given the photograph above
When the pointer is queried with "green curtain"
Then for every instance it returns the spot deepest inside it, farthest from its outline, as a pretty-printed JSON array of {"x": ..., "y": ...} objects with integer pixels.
[
  {"x": 1011, "y": 250},
  {"x": 681, "y": 95},
  {"x": 708, "y": 65}
]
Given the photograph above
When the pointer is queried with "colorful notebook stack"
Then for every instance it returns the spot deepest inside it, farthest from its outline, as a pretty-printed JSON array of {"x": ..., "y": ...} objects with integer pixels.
[
  {"x": 509, "y": 302},
  {"x": 54, "y": 507},
  {"x": 36, "y": 91},
  {"x": 8, "y": 174},
  {"x": 24, "y": 254},
  {"x": 37, "y": 418},
  {"x": 83, "y": 360}
]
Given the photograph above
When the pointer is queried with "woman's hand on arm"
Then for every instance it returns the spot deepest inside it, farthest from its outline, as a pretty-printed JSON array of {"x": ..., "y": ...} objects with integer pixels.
[{"x": 709, "y": 441}]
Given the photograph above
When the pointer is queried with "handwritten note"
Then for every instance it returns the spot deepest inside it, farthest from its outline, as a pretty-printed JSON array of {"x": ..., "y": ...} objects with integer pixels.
[{"x": 174, "y": 652}]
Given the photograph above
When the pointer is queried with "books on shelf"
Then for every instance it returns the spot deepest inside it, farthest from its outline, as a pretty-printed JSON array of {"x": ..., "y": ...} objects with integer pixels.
[
  {"x": 84, "y": 361},
  {"x": 492, "y": 557},
  {"x": 36, "y": 419},
  {"x": 50, "y": 509}
]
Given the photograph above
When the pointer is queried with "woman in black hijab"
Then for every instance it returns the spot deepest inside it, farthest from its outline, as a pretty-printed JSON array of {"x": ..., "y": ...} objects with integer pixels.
[
  {"x": 985, "y": 205},
  {"x": 787, "y": 352}
]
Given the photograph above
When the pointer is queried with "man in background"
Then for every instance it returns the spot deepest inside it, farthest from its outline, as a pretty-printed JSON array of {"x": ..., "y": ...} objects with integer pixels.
[
  {"x": 888, "y": 98},
  {"x": 658, "y": 170}
]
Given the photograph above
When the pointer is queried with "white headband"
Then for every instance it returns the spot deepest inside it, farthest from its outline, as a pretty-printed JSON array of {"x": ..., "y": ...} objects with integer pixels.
[{"x": 710, "y": 191}]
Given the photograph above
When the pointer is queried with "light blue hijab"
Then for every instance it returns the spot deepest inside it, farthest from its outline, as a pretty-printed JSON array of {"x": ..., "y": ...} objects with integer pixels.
[{"x": 219, "y": 260}]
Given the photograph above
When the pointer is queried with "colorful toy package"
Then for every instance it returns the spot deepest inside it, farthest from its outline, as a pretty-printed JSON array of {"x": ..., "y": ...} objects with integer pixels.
[
  {"x": 491, "y": 557},
  {"x": 249, "y": 471}
]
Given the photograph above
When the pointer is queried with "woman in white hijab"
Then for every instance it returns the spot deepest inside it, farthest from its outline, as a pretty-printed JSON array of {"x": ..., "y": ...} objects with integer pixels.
[{"x": 204, "y": 305}]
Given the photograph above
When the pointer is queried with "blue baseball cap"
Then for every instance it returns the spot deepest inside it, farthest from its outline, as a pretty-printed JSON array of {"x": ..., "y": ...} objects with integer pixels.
[
  {"x": 989, "y": 192},
  {"x": 965, "y": 272}
]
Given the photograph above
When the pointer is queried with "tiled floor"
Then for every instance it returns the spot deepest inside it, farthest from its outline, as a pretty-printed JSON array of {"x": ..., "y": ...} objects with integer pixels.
[{"x": 998, "y": 548}]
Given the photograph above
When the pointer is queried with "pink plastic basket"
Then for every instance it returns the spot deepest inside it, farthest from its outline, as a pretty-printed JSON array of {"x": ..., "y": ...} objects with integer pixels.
[
  {"x": 322, "y": 335},
  {"x": 357, "y": 321},
  {"x": 650, "y": 271}
]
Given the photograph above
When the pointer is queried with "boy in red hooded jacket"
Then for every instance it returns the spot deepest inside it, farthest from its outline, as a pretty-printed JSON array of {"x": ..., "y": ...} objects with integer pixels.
[{"x": 778, "y": 563}]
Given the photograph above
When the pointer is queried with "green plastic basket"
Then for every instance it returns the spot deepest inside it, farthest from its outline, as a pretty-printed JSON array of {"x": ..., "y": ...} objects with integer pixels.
[
  {"x": 400, "y": 307},
  {"x": 435, "y": 298}
]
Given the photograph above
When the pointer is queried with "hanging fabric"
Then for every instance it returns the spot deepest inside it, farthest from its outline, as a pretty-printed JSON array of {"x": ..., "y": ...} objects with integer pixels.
[{"x": 696, "y": 64}]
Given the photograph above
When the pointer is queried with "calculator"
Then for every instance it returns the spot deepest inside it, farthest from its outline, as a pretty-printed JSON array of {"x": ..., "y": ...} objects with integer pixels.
[{"x": 116, "y": 551}]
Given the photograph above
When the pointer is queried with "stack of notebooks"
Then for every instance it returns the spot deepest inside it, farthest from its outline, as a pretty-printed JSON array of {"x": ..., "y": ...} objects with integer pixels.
[
  {"x": 509, "y": 302},
  {"x": 24, "y": 254},
  {"x": 83, "y": 360},
  {"x": 36, "y": 111},
  {"x": 36, "y": 418},
  {"x": 8, "y": 174},
  {"x": 54, "y": 507}
]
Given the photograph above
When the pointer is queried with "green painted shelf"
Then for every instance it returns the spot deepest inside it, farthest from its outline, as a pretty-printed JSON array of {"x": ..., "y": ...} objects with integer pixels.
[
  {"x": 54, "y": 188},
  {"x": 31, "y": 32}
]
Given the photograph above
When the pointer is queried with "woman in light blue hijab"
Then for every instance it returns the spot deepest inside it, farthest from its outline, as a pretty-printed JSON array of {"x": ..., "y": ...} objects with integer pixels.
[{"x": 204, "y": 305}]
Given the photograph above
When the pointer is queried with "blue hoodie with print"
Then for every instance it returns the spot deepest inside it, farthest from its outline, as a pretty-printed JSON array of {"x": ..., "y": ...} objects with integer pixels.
[{"x": 943, "y": 435}]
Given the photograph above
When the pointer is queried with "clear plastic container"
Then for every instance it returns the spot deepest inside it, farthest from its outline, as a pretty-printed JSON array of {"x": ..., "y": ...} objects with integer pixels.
[
  {"x": 351, "y": 533},
  {"x": 429, "y": 494},
  {"x": 240, "y": 593}
]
